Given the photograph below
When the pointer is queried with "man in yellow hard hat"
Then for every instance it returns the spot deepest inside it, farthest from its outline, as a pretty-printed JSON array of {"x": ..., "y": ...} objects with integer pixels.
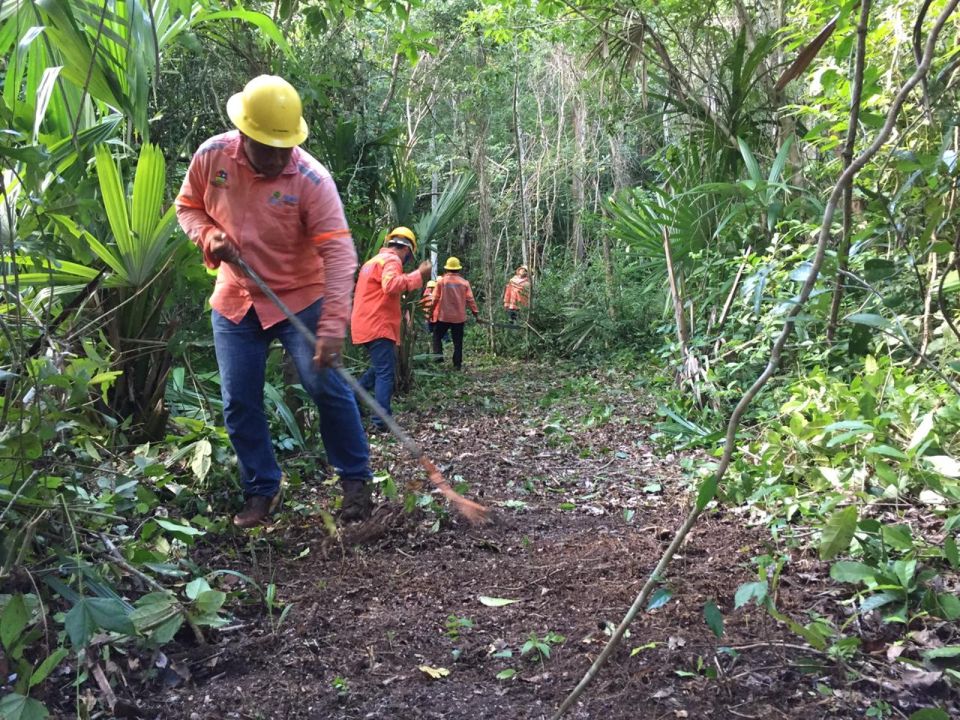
[
  {"x": 375, "y": 321},
  {"x": 253, "y": 193},
  {"x": 451, "y": 298}
]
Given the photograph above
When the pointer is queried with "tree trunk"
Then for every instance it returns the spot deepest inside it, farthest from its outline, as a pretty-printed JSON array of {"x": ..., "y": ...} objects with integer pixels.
[
  {"x": 577, "y": 181},
  {"x": 843, "y": 251},
  {"x": 521, "y": 173}
]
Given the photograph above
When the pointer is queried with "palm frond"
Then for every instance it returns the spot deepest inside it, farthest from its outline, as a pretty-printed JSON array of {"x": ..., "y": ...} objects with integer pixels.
[{"x": 448, "y": 206}]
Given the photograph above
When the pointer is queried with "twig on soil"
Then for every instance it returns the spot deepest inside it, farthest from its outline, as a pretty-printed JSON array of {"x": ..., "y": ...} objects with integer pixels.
[{"x": 730, "y": 444}]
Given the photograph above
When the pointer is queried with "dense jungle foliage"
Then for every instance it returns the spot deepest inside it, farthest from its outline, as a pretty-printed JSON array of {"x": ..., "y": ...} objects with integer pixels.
[{"x": 663, "y": 169}]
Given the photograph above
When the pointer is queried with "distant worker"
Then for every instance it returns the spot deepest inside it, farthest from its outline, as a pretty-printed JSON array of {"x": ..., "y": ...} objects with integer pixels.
[
  {"x": 375, "y": 322},
  {"x": 517, "y": 293},
  {"x": 426, "y": 304},
  {"x": 451, "y": 297}
]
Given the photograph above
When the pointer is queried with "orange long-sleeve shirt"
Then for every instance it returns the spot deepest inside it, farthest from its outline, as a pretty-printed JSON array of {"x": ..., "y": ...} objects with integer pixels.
[
  {"x": 290, "y": 229},
  {"x": 376, "y": 303},
  {"x": 426, "y": 302},
  {"x": 517, "y": 293},
  {"x": 451, "y": 297}
]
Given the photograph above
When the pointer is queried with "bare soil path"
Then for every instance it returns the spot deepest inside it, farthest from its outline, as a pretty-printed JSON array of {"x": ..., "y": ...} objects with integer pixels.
[{"x": 585, "y": 503}]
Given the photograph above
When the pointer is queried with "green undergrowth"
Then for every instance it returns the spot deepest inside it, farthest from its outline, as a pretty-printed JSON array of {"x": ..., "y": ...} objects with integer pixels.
[{"x": 858, "y": 466}]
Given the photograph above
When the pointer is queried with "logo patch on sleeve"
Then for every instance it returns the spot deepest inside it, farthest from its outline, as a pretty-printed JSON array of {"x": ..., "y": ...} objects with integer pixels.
[
  {"x": 220, "y": 179},
  {"x": 279, "y": 199}
]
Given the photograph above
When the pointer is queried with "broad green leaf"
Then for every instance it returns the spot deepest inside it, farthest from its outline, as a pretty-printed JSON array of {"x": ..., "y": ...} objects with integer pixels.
[
  {"x": 886, "y": 451},
  {"x": 115, "y": 205},
  {"x": 950, "y": 552},
  {"x": 708, "y": 489},
  {"x": 13, "y": 622},
  {"x": 879, "y": 600},
  {"x": 950, "y": 606},
  {"x": 165, "y": 631},
  {"x": 174, "y": 527},
  {"x": 88, "y": 615},
  {"x": 195, "y": 587},
  {"x": 19, "y": 707},
  {"x": 494, "y": 601},
  {"x": 923, "y": 429},
  {"x": 944, "y": 465},
  {"x": 848, "y": 425},
  {"x": 838, "y": 532},
  {"x": 750, "y": 591},
  {"x": 871, "y": 320},
  {"x": 780, "y": 161},
  {"x": 506, "y": 674},
  {"x": 929, "y": 714},
  {"x": 157, "y": 614},
  {"x": 851, "y": 572},
  {"x": 659, "y": 598},
  {"x": 261, "y": 21},
  {"x": 202, "y": 459},
  {"x": 753, "y": 168},
  {"x": 898, "y": 537},
  {"x": 713, "y": 618},
  {"x": 209, "y": 602},
  {"x": 905, "y": 571},
  {"x": 947, "y": 651},
  {"x": 47, "y": 666}
]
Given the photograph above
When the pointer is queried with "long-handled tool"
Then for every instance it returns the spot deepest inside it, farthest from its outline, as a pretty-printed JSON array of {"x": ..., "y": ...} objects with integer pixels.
[
  {"x": 474, "y": 512},
  {"x": 505, "y": 326}
]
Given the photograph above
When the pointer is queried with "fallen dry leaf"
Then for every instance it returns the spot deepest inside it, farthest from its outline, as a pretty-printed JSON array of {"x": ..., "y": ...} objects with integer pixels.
[{"x": 435, "y": 673}]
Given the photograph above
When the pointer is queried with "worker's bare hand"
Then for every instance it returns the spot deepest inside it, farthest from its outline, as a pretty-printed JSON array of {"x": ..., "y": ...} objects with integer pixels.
[
  {"x": 222, "y": 248},
  {"x": 425, "y": 270},
  {"x": 327, "y": 352}
]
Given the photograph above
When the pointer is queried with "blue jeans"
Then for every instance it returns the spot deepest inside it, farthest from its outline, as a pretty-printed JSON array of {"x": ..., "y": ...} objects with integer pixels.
[
  {"x": 242, "y": 357},
  {"x": 379, "y": 377}
]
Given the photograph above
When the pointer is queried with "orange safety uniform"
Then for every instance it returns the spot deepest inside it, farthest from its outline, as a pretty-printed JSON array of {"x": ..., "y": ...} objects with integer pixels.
[
  {"x": 376, "y": 304},
  {"x": 290, "y": 229},
  {"x": 426, "y": 302},
  {"x": 517, "y": 294},
  {"x": 451, "y": 297}
]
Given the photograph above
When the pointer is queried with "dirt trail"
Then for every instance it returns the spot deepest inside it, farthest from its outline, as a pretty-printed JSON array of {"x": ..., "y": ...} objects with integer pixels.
[{"x": 561, "y": 462}]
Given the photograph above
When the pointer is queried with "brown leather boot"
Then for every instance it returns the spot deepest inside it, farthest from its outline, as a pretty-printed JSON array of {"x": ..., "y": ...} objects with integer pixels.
[
  {"x": 357, "y": 503},
  {"x": 255, "y": 510}
]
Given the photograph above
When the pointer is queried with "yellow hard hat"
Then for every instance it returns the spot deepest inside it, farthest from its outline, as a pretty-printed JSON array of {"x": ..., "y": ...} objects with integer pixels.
[
  {"x": 403, "y": 233},
  {"x": 452, "y": 264},
  {"x": 431, "y": 283},
  {"x": 269, "y": 111}
]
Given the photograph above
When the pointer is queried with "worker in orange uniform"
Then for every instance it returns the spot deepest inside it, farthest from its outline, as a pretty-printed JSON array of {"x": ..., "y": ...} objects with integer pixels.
[
  {"x": 254, "y": 194},
  {"x": 375, "y": 322},
  {"x": 451, "y": 298},
  {"x": 426, "y": 304},
  {"x": 517, "y": 293}
]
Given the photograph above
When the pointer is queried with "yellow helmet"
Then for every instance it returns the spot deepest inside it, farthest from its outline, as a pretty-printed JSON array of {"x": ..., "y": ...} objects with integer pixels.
[
  {"x": 398, "y": 234},
  {"x": 431, "y": 283},
  {"x": 452, "y": 264},
  {"x": 269, "y": 111}
]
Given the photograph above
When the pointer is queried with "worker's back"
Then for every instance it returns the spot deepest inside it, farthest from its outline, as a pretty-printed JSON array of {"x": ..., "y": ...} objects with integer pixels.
[{"x": 451, "y": 297}]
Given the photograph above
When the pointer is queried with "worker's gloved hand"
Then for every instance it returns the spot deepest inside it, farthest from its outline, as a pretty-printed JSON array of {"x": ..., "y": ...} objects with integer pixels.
[
  {"x": 425, "y": 270},
  {"x": 327, "y": 352},
  {"x": 221, "y": 247}
]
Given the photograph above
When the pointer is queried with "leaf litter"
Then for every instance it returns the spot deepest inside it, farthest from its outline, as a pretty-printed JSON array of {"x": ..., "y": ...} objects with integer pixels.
[{"x": 373, "y": 601}]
